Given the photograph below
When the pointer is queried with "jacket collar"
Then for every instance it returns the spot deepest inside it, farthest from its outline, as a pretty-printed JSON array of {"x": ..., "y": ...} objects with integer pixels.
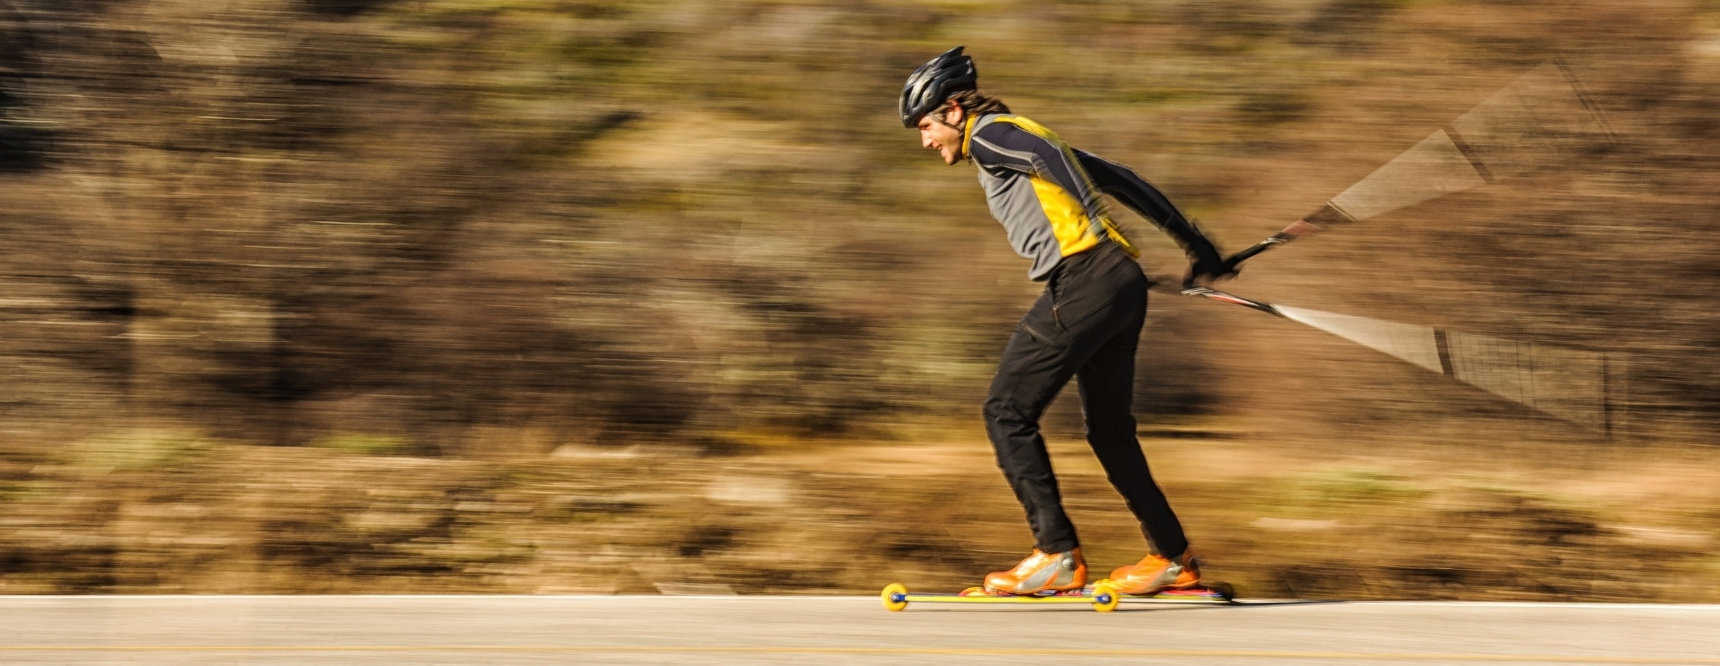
[{"x": 967, "y": 135}]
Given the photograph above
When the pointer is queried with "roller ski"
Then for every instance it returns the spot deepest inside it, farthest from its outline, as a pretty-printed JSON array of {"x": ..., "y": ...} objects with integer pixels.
[
  {"x": 1101, "y": 596},
  {"x": 1060, "y": 578}
]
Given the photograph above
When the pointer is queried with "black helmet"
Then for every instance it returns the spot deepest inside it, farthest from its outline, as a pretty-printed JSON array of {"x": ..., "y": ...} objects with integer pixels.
[{"x": 934, "y": 82}]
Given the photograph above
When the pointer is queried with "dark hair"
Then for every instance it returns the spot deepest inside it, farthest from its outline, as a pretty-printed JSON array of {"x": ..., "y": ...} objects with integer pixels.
[{"x": 975, "y": 103}]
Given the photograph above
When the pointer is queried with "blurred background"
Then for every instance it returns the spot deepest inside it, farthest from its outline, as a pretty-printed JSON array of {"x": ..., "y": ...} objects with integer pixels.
[{"x": 659, "y": 296}]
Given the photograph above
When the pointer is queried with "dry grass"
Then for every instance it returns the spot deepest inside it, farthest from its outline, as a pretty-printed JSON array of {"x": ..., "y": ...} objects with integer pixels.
[{"x": 178, "y": 513}]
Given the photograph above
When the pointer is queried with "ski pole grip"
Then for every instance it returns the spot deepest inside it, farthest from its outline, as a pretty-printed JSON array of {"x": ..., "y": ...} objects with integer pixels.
[
  {"x": 1290, "y": 233},
  {"x": 1251, "y": 250}
]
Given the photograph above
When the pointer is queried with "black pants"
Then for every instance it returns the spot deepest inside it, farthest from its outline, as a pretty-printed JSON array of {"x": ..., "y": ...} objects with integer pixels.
[{"x": 1086, "y": 325}]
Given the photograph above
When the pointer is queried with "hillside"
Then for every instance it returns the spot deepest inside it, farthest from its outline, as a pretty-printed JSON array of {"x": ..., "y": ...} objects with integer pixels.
[{"x": 495, "y": 295}]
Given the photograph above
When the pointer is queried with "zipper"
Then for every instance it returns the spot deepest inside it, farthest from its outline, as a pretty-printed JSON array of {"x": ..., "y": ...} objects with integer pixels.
[{"x": 1037, "y": 334}]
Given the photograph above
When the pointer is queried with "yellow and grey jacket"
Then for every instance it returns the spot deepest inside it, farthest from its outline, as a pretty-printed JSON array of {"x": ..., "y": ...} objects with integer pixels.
[{"x": 1046, "y": 193}]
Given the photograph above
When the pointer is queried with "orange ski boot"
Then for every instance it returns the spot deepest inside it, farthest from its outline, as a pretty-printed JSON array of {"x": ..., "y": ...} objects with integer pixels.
[
  {"x": 1154, "y": 574},
  {"x": 1041, "y": 572}
]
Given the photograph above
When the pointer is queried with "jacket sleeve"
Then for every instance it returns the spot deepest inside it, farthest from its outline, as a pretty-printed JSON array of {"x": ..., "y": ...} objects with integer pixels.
[{"x": 1125, "y": 186}]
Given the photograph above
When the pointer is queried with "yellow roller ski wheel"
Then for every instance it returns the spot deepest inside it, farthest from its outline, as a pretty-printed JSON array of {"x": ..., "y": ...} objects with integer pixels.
[
  {"x": 895, "y": 597},
  {"x": 1105, "y": 598}
]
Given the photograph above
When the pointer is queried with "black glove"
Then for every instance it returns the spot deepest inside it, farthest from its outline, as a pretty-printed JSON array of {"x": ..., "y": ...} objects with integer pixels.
[{"x": 1210, "y": 268}]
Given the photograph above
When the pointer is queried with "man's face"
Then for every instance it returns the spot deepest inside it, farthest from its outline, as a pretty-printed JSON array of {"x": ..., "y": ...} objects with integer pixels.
[{"x": 943, "y": 136}]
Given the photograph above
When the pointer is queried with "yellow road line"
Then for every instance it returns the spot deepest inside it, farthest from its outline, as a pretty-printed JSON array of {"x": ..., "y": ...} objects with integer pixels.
[{"x": 895, "y": 651}]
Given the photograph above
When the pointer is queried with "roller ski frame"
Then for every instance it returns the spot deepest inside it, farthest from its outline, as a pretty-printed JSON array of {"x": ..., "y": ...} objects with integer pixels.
[{"x": 1103, "y": 596}]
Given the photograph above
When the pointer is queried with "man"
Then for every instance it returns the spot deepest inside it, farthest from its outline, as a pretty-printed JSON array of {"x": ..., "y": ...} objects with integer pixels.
[{"x": 1085, "y": 326}]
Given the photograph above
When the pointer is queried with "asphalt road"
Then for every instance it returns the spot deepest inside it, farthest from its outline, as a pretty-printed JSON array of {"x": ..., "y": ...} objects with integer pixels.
[{"x": 831, "y": 631}]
